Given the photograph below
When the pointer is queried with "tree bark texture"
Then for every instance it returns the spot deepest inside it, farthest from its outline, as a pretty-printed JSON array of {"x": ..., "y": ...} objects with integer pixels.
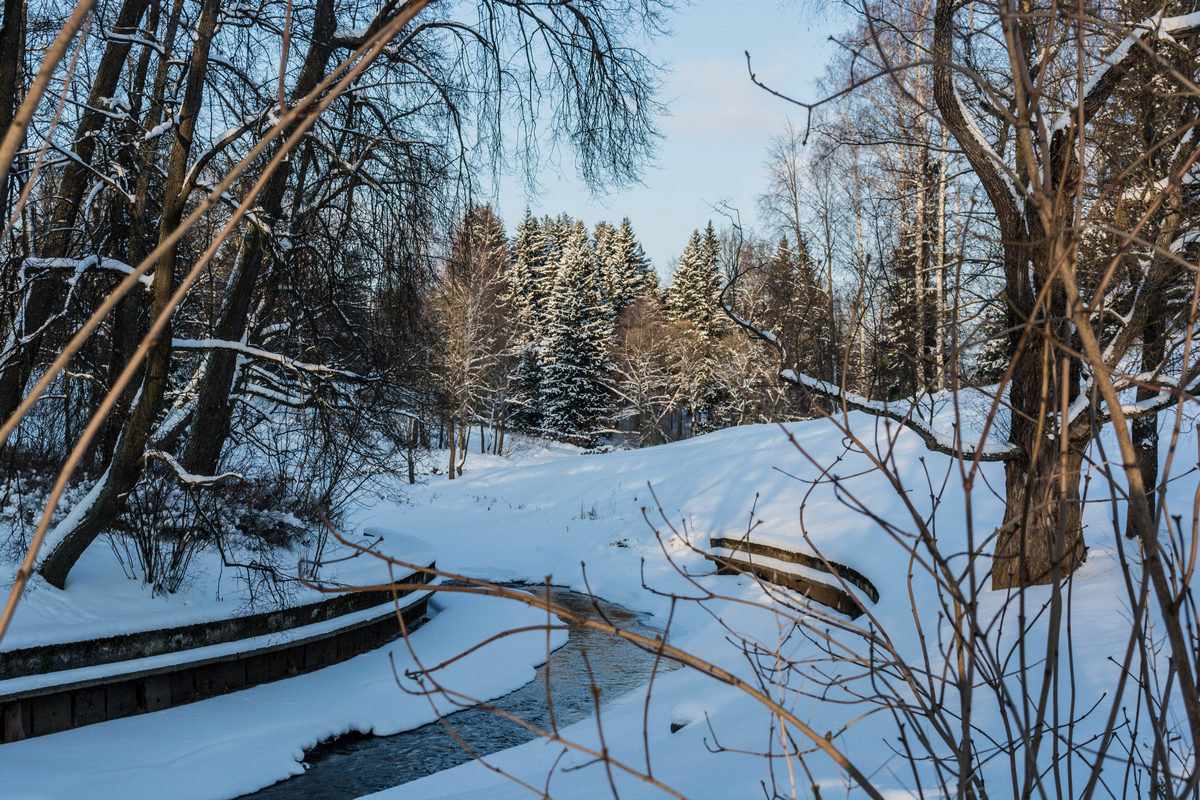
[
  {"x": 1041, "y": 538},
  {"x": 12, "y": 38}
]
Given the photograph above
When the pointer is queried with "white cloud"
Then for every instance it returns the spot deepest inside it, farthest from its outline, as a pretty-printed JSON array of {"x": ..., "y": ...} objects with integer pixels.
[{"x": 715, "y": 98}]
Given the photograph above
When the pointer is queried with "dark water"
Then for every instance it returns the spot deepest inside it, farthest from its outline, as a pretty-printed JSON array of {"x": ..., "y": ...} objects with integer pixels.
[{"x": 356, "y": 765}]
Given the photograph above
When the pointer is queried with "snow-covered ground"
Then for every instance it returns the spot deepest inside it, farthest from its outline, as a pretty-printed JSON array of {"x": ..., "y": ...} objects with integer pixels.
[
  {"x": 101, "y": 601},
  {"x": 234, "y": 744},
  {"x": 593, "y": 522}
]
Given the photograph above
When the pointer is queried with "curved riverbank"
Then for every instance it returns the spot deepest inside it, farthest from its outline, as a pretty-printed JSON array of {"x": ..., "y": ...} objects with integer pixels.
[{"x": 355, "y": 765}]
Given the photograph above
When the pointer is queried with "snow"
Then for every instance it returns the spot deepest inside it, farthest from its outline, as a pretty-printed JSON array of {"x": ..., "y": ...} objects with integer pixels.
[
  {"x": 236, "y": 743},
  {"x": 985, "y": 146},
  {"x": 791, "y": 568},
  {"x": 1154, "y": 25},
  {"x": 101, "y": 601},
  {"x": 202, "y": 655},
  {"x": 593, "y": 522},
  {"x": 55, "y": 535},
  {"x": 81, "y": 265},
  {"x": 254, "y": 352},
  {"x": 185, "y": 477},
  {"x": 955, "y": 423},
  {"x": 350, "y": 35},
  {"x": 566, "y": 509},
  {"x": 157, "y": 130}
]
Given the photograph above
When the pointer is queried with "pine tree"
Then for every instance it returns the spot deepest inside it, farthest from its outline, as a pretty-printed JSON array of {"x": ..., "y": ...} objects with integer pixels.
[
  {"x": 710, "y": 252},
  {"x": 798, "y": 308},
  {"x": 526, "y": 285},
  {"x": 530, "y": 281},
  {"x": 557, "y": 230},
  {"x": 632, "y": 275},
  {"x": 578, "y": 336},
  {"x": 681, "y": 299},
  {"x": 994, "y": 353},
  {"x": 711, "y": 281},
  {"x": 695, "y": 292},
  {"x": 604, "y": 239},
  {"x": 906, "y": 316}
]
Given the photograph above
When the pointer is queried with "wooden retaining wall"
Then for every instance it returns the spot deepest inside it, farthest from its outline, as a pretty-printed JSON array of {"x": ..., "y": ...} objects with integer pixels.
[
  {"x": 76, "y": 702},
  {"x": 829, "y": 594}
]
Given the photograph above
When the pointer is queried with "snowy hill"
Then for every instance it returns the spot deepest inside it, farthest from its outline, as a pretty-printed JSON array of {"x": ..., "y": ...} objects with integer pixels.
[
  {"x": 631, "y": 526},
  {"x": 541, "y": 513},
  {"x": 553, "y": 510}
]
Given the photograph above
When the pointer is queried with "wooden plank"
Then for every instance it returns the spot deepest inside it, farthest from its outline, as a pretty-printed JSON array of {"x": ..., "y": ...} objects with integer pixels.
[
  {"x": 848, "y": 574},
  {"x": 54, "y": 708},
  {"x": 823, "y": 593},
  {"x": 58, "y": 656}
]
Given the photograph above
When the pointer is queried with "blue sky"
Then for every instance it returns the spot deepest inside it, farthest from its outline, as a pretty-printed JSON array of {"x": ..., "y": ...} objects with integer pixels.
[{"x": 717, "y": 130}]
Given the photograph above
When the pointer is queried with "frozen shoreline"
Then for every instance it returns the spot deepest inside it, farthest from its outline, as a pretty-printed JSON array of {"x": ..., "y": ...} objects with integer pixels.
[{"x": 237, "y": 743}]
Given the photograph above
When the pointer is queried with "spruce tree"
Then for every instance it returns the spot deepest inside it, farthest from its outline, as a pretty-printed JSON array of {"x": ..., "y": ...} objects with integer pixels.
[
  {"x": 605, "y": 242},
  {"x": 578, "y": 336},
  {"x": 529, "y": 287},
  {"x": 557, "y": 230},
  {"x": 903, "y": 352},
  {"x": 695, "y": 292},
  {"x": 681, "y": 297},
  {"x": 632, "y": 275},
  {"x": 994, "y": 353},
  {"x": 798, "y": 308},
  {"x": 710, "y": 279}
]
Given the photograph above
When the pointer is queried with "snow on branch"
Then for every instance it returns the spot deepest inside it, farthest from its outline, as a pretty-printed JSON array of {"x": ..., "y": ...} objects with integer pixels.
[
  {"x": 230, "y": 136},
  {"x": 190, "y": 478},
  {"x": 1099, "y": 85},
  {"x": 1003, "y": 173},
  {"x": 936, "y": 441},
  {"x": 263, "y": 355},
  {"x": 1169, "y": 393},
  {"x": 79, "y": 266}
]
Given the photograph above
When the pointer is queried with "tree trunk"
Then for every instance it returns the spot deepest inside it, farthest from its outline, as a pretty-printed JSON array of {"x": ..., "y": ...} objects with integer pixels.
[
  {"x": 464, "y": 428},
  {"x": 1145, "y": 429},
  {"x": 939, "y": 275},
  {"x": 43, "y": 293},
  {"x": 12, "y": 37},
  {"x": 106, "y": 499},
  {"x": 1041, "y": 539},
  {"x": 920, "y": 343},
  {"x": 210, "y": 424},
  {"x": 124, "y": 335},
  {"x": 411, "y": 451},
  {"x": 453, "y": 444}
]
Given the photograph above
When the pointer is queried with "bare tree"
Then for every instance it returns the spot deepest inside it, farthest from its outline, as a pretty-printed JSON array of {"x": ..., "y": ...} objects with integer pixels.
[
  {"x": 472, "y": 325},
  {"x": 259, "y": 216},
  {"x": 1032, "y": 160}
]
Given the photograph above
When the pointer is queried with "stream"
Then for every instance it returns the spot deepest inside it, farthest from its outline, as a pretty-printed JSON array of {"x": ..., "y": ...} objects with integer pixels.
[{"x": 359, "y": 764}]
